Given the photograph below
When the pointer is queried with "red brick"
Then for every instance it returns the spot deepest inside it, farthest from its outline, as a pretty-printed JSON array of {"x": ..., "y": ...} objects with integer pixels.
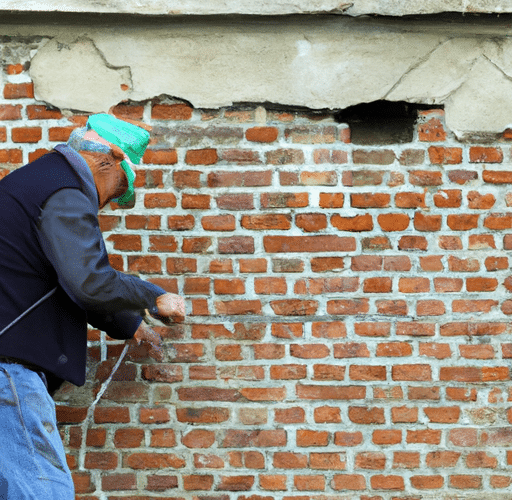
[
  {"x": 480, "y": 154},
  {"x": 197, "y": 482},
  {"x": 462, "y": 176},
  {"x": 387, "y": 483},
  {"x": 283, "y": 200},
  {"x": 410, "y": 200},
  {"x": 377, "y": 285},
  {"x": 424, "y": 222},
  {"x": 406, "y": 460},
  {"x": 352, "y": 482},
  {"x": 370, "y": 461},
  {"x": 287, "y": 244},
  {"x": 128, "y": 112},
  {"x": 412, "y": 372},
  {"x": 18, "y": 90},
  {"x": 59, "y": 134},
  {"x": 101, "y": 460},
  {"x": 328, "y": 178},
  {"x": 481, "y": 201},
  {"x": 432, "y": 131},
  {"x": 465, "y": 482},
  {"x": 425, "y": 178},
  {"x": 447, "y": 285},
  {"x": 171, "y": 112},
  {"x": 357, "y": 372},
  {"x": 427, "y": 482},
  {"x": 370, "y": 200},
  {"x": 366, "y": 416},
  {"x": 362, "y": 178},
  {"x": 118, "y": 482},
  {"x": 393, "y": 222},
  {"x": 15, "y": 69},
  {"x": 497, "y": 177},
  {"x": 196, "y": 245},
  {"x": 265, "y": 222},
  {"x": 413, "y": 243},
  {"x": 410, "y": 157},
  {"x": 326, "y": 414},
  {"x": 481, "y": 284},
  {"x": 356, "y": 223},
  {"x": 331, "y": 200},
  {"x": 392, "y": 307},
  {"x": 311, "y": 134},
  {"x": 285, "y": 157},
  {"x": 444, "y": 156},
  {"x": 219, "y": 223},
  {"x": 145, "y": 264},
  {"x": 261, "y": 134},
  {"x": 348, "y": 307},
  {"x": 159, "y": 200},
  {"x": 10, "y": 112},
  {"x": 26, "y": 134},
  {"x": 428, "y": 436},
  {"x": 404, "y": 414},
  {"x": 498, "y": 222},
  {"x": 201, "y": 157},
  {"x": 160, "y": 157},
  {"x": 394, "y": 349},
  {"x": 377, "y": 157},
  {"x": 346, "y": 439},
  {"x": 414, "y": 285}
]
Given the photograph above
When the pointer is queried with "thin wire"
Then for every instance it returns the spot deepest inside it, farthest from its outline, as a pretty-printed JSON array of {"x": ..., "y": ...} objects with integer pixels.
[{"x": 103, "y": 388}]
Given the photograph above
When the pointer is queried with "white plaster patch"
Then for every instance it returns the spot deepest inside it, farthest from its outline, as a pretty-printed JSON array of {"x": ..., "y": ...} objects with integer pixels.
[{"x": 76, "y": 76}]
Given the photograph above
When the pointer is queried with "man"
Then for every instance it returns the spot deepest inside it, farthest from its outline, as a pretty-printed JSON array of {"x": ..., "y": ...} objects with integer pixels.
[{"x": 55, "y": 278}]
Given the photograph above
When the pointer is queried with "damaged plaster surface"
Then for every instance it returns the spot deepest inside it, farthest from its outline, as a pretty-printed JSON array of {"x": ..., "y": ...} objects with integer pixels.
[
  {"x": 263, "y": 7},
  {"x": 322, "y": 62}
]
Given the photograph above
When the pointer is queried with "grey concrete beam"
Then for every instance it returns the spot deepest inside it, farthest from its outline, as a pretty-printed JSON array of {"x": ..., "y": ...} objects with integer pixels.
[
  {"x": 321, "y": 63},
  {"x": 262, "y": 7}
]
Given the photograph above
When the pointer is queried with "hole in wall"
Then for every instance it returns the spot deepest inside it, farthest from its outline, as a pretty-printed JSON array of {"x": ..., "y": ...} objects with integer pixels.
[{"x": 381, "y": 122}]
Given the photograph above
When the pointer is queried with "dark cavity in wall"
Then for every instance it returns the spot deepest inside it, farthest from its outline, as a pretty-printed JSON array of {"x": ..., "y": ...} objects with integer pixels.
[{"x": 381, "y": 122}]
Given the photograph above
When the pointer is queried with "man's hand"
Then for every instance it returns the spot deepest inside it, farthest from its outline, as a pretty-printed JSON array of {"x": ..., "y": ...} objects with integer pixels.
[
  {"x": 146, "y": 335},
  {"x": 170, "y": 306}
]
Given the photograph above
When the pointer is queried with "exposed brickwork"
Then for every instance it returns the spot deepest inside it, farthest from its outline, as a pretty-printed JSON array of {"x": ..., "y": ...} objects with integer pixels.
[{"x": 348, "y": 332}]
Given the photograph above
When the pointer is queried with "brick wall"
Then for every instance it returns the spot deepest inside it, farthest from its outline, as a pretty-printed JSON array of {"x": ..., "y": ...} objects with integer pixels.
[{"x": 348, "y": 328}]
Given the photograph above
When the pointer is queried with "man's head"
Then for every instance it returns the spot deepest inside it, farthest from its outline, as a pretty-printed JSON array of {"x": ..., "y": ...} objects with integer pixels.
[{"x": 110, "y": 147}]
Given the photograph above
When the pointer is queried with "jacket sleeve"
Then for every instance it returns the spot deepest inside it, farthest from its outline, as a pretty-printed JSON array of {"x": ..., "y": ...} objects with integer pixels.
[{"x": 71, "y": 239}]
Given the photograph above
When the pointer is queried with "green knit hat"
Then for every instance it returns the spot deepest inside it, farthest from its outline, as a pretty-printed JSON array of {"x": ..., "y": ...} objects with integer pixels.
[{"x": 133, "y": 140}]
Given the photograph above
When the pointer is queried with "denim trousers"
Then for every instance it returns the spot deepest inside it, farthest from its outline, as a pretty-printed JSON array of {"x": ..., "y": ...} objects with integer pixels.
[{"x": 32, "y": 458}]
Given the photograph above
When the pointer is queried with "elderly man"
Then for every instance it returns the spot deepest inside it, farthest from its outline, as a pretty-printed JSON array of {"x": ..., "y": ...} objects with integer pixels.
[{"x": 55, "y": 278}]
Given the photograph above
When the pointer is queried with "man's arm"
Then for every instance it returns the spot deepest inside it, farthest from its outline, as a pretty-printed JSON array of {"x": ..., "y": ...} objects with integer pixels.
[{"x": 71, "y": 239}]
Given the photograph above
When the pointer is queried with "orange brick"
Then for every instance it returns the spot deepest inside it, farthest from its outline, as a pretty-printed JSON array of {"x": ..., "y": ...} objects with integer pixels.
[{"x": 27, "y": 134}]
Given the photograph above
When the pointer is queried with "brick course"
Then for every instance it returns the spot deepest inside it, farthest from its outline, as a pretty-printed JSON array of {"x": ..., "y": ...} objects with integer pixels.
[{"x": 348, "y": 331}]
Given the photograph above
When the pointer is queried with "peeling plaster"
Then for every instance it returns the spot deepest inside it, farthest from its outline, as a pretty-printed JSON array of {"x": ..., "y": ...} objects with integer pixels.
[
  {"x": 78, "y": 76},
  {"x": 329, "y": 63}
]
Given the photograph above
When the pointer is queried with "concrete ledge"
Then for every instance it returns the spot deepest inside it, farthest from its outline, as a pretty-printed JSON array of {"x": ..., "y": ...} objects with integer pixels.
[
  {"x": 319, "y": 62},
  {"x": 263, "y": 7}
]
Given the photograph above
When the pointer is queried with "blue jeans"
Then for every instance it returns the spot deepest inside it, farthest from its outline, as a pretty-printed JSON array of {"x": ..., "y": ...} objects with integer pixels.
[{"x": 32, "y": 459}]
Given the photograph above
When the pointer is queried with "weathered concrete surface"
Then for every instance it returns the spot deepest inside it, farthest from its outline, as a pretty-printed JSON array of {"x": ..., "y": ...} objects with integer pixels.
[
  {"x": 322, "y": 62},
  {"x": 263, "y": 7}
]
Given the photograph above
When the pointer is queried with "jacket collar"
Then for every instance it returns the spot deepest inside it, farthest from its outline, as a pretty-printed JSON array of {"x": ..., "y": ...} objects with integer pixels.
[{"x": 83, "y": 171}]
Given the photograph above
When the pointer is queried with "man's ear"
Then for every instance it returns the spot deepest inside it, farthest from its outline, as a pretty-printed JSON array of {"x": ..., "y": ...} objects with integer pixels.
[{"x": 117, "y": 152}]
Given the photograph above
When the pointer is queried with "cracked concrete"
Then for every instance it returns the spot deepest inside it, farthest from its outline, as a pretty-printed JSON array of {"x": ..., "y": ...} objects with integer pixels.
[
  {"x": 318, "y": 62},
  {"x": 65, "y": 75}
]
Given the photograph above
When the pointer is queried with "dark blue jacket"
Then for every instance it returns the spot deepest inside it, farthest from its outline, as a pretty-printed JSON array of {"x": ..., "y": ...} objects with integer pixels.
[{"x": 54, "y": 335}]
